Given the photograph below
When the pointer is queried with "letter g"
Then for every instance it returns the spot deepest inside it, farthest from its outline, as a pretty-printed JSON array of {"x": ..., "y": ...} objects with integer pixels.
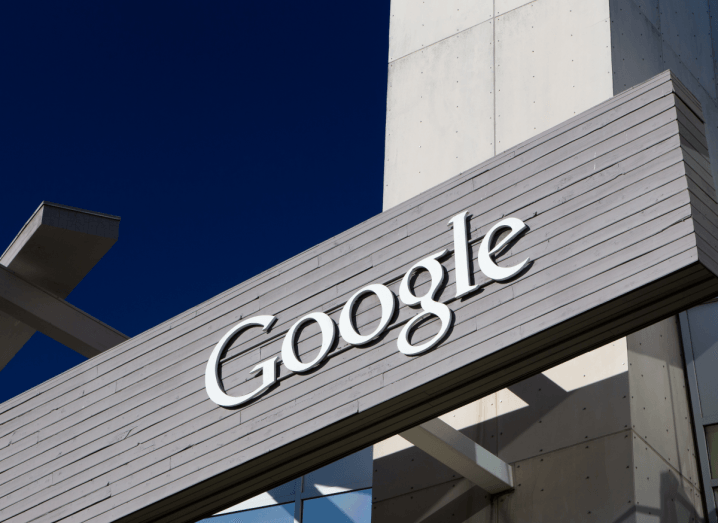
[
  {"x": 212, "y": 383},
  {"x": 427, "y": 302}
]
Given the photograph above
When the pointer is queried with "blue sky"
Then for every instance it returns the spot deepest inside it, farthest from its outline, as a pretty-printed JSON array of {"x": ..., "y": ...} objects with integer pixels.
[{"x": 229, "y": 136}]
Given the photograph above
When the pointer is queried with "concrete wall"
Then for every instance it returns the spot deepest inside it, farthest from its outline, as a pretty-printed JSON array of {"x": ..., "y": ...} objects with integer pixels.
[
  {"x": 650, "y": 36},
  {"x": 542, "y": 426},
  {"x": 603, "y": 437},
  {"x": 666, "y": 479},
  {"x": 470, "y": 79},
  {"x": 467, "y": 80}
]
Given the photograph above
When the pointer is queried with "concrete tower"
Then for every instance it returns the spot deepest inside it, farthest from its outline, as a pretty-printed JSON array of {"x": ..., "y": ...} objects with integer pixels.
[{"x": 607, "y": 436}]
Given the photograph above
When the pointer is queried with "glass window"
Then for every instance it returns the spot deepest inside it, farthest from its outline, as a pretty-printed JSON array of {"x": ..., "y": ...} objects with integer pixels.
[
  {"x": 349, "y": 507},
  {"x": 353, "y": 472},
  {"x": 276, "y": 514},
  {"x": 712, "y": 440},
  {"x": 342, "y": 482},
  {"x": 277, "y": 496}
]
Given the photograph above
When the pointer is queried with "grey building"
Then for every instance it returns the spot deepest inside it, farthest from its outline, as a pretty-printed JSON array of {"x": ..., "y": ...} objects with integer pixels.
[{"x": 401, "y": 373}]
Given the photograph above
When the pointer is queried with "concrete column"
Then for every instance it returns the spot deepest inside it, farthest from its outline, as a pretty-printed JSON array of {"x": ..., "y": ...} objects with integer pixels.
[
  {"x": 666, "y": 478},
  {"x": 606, "y": 436}
]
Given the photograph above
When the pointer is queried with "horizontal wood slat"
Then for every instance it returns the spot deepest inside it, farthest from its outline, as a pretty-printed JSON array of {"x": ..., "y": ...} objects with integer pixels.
[{"x": 623, "y": 231}]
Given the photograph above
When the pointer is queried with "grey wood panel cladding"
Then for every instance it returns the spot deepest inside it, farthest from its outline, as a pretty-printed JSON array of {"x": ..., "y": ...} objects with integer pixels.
[{"x": 623, "y": 232}]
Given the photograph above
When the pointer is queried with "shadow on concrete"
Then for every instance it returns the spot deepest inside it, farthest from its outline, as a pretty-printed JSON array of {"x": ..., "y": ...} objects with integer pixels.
[{"x": 553, "y": 419}]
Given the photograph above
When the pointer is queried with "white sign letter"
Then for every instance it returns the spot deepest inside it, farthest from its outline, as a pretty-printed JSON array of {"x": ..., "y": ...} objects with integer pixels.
[
  {"x": 486, "y": 262},
  {"x": 437, "y": 273},
  {"x": 387, "y": 304},
  {"x": 289, "y": 353},
  {"x": 212, "y": 383},
  {"x": 461, "y": 255}
]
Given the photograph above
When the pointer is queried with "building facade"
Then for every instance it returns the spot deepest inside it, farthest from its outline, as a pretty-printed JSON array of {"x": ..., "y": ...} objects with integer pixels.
[
  {"x": 564, "y": 102},
  {"x": 606, "y": 436}
]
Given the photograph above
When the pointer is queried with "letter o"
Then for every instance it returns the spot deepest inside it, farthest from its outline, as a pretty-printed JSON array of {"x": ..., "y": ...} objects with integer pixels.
[
  {"x": 289, "y": 353},
  {"x": 387, "y": 304}
]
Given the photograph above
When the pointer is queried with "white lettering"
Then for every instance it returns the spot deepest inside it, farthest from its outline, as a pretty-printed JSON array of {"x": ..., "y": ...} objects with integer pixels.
[
  {"x": 387, "y": 302},
  {"x": 461, "y": 255},
  {"x": 212, "y": 382},
  {"x": 438, "y": 274},
  {"x": 289, "y": 347},
  {"x": 486, "y": 262}
]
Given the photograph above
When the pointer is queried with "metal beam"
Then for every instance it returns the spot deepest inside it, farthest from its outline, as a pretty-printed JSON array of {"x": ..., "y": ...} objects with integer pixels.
[
  {"x": 459, "y": 453},
  {"x": 54, "y": 317},
  {"x": 54, "y": 250}
]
